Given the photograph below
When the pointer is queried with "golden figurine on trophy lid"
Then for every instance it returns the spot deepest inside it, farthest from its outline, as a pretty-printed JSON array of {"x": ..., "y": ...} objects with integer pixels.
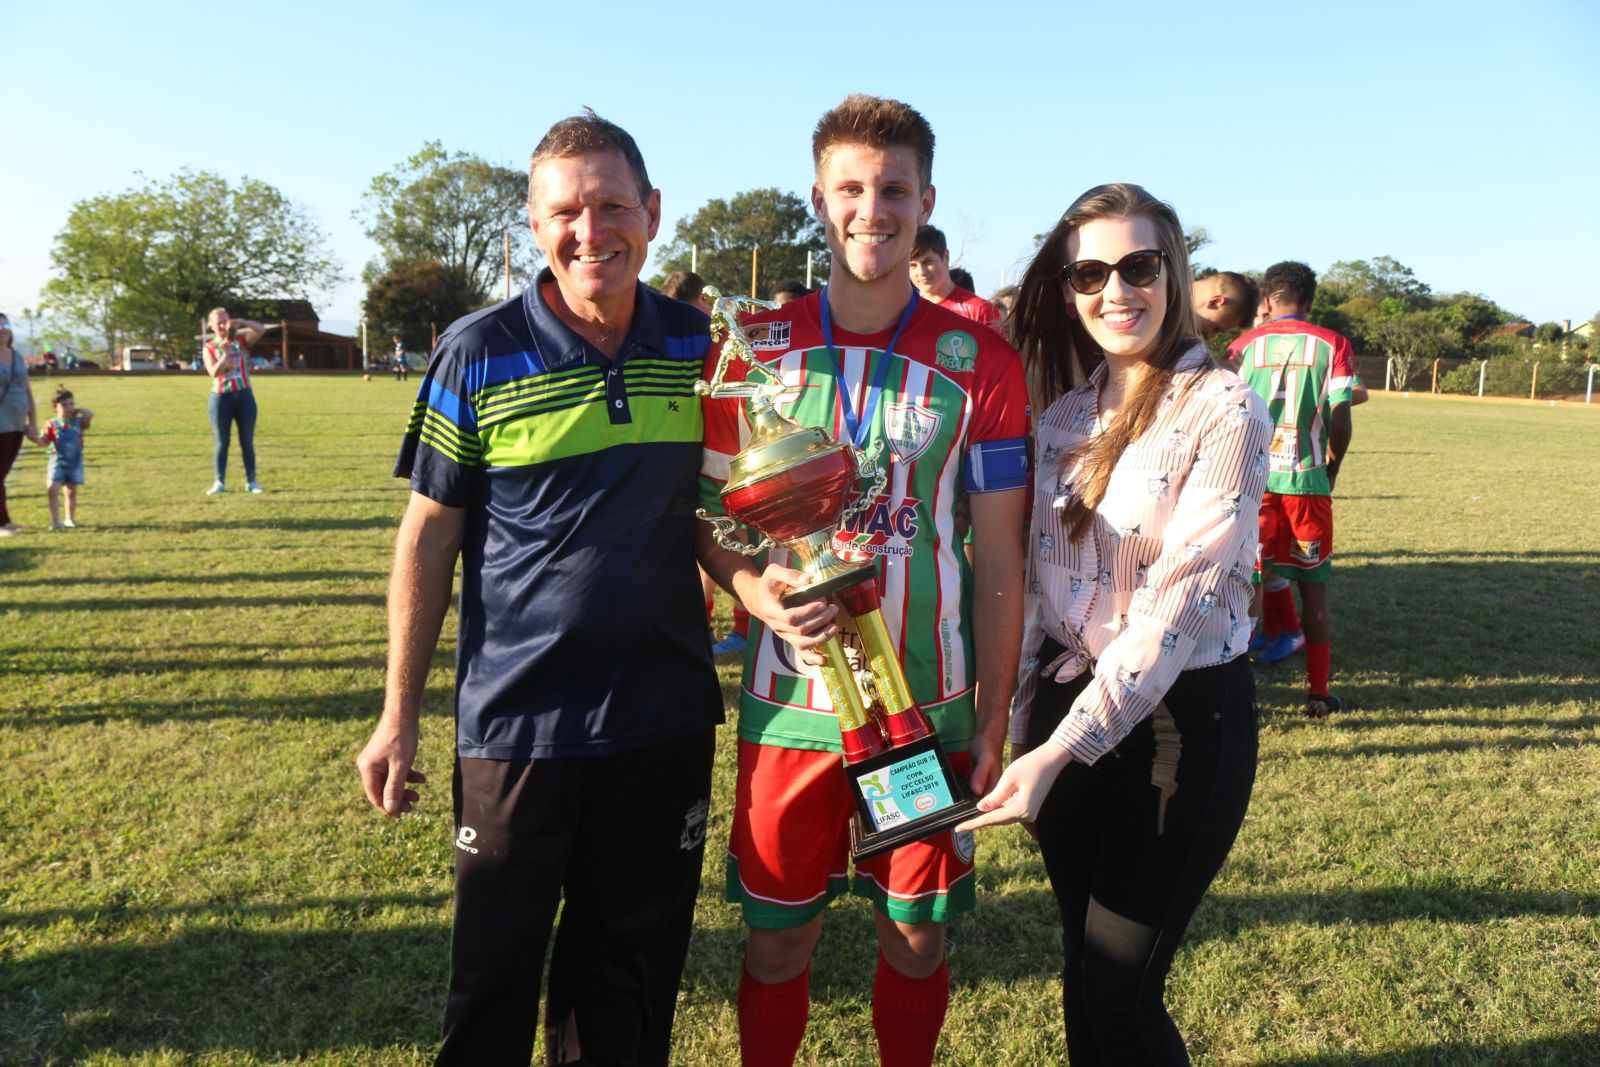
[{"x": 792, "y": 484}]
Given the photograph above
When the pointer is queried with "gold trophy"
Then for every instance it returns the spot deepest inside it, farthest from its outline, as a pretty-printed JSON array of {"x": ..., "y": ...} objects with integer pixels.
[{"x": 792, "y": 484}]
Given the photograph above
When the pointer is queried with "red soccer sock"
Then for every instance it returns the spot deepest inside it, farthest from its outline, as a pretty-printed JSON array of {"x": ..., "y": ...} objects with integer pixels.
[
  {"x": 1317, "y": 659},
  {"x": 1278, "y": 612},
  {"x": 772, "y": 1019},
  {"x": 741, "y": 620},
  {"x": 908, "y": 1013}
]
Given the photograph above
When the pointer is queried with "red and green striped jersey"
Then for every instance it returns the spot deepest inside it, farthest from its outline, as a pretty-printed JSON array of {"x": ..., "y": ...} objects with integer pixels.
[
  {"x": 952, "y": 419},
  {"x": 236, "y": 379},
  {"x": 1302, "y": 372}
]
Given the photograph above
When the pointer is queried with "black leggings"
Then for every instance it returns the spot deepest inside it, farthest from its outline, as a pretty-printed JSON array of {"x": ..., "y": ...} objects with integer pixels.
[
  {"x": 10, "y": 445},
  {"x": 1131, "y": 843}
]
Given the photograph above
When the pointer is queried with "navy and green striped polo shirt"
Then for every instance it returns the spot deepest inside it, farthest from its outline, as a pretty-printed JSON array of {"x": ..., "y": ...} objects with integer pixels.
[{"x": 582, "y": 630}]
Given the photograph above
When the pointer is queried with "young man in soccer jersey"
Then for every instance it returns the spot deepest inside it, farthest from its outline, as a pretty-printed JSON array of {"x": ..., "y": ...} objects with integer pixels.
[
  {"x": 1304, "y": 373},
  {"x": 555, "y": 449},
  {"x": 949, "y": 407},
  {"x": 930, "y": 273}
]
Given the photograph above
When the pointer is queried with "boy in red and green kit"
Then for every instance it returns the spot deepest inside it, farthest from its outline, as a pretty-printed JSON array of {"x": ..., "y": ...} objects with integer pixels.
[
  {"x": 873, "y": 363},
  {"x": 1305, "y": 374}
]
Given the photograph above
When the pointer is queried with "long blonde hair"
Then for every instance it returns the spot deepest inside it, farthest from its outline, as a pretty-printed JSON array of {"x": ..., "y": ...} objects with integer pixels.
[{"x": 1059, "y": 355}]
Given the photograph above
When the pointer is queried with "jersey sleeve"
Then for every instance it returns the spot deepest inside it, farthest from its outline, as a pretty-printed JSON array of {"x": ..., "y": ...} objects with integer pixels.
[
  {"x": 442, "y": 453},
  {"x": 997, "y": 443},
  {"x": 1342, "y": 373},
  {"x": 49, "y": 434}
]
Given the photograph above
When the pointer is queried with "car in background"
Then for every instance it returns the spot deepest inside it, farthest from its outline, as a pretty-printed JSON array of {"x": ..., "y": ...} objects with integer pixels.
[{"x": 138, "y": 358}]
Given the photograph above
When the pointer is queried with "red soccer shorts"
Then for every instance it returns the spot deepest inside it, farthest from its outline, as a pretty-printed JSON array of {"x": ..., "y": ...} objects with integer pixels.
[
  {"x": 1297, "y": 536},
  {"x": 789, "y": 851}
]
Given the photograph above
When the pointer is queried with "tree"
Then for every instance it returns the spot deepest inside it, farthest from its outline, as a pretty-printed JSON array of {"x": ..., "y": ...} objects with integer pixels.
[
  {"x": 454, "y": 210},
  {"x": 1471, "y": 318},
  {"x": 1410, "y": 339},
  {"x": 1376, "y": 280},
  {"x": 410, "y": 299},
  {"x": 151, "y": 261},
  {"x": 724, "y": 231}
]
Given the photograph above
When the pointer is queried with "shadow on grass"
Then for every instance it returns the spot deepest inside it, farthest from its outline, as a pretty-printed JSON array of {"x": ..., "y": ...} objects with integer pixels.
[
  {"x": 221, "y": 600},
  {"x": 103, "y": 918},
  {"x": 264, "y": 523},
  {"x": 1576, "y": 1050},
  {"x": 216, "y": 579},
  {"x": 1486, "y": 631},
  {"x": 110, "y": 665},
  {"x": 278, "y": 994},
  {"x": 358, "y": 704},
  {"x": 1017, "y": 934}
]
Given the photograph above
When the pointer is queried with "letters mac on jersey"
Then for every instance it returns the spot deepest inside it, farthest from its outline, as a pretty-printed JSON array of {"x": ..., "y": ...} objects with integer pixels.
[{"x": 952, "y": 419}]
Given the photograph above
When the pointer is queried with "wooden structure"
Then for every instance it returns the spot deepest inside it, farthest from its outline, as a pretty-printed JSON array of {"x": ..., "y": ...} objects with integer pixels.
[{"x": 298, "y": 334}]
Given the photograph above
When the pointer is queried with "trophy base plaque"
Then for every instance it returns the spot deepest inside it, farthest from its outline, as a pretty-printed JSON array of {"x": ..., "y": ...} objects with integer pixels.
[{"x": 906, "y": 794}]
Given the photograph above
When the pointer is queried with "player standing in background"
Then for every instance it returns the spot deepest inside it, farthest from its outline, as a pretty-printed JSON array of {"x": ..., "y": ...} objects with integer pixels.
[
  {"x": 871, "y": 362},
  {"x": 1225, "y": 301},
  {"x": 930, "y": 273},
  {"x": 1304, "y": 373}
]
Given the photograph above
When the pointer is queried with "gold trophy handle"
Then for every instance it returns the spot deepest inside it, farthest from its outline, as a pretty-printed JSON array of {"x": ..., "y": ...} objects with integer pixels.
[
  {"x": 723, "y": 527},
  {"x": 867, "y": 466}
]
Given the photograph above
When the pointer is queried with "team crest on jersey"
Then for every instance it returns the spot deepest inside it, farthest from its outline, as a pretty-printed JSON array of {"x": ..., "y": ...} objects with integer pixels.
[
  {"x": 966, "y": 846},
  {"x": 910, "y": 428},
  {"x": 768, "y": 336},
  {"x": 957, "y": 351}
]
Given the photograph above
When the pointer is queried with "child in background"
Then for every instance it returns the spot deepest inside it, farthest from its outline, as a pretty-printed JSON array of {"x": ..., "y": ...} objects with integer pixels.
[{"x": 63, "y": 434}]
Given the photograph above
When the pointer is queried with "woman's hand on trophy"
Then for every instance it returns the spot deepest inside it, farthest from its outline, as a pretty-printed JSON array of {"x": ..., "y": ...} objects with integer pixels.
[
  {"x": 805, "y": 626},
  {"x": 1022, "y": 789}
]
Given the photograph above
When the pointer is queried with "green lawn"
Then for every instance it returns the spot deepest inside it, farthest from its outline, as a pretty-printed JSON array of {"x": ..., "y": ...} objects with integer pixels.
[{"x": 190, "y": 874}]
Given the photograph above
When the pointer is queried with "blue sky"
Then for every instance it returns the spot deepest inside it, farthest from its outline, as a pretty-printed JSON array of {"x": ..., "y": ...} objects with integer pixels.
[{"x": 1462, "y": 139}]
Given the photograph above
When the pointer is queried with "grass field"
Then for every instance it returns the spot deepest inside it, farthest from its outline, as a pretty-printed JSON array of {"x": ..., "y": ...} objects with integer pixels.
[{"x": 189, "y": 872}]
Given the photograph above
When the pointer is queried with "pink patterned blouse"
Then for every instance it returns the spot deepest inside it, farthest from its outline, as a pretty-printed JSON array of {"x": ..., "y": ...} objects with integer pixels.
[{"x": 1161, "y": 582}]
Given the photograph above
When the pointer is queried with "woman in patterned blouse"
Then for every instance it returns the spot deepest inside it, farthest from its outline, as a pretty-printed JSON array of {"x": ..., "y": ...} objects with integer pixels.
[
  {"x": 227, "y": 359},
  {"x": 1133, "y": 728}
]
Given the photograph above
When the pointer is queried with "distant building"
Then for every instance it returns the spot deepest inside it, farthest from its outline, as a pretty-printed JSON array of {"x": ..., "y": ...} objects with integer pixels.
[{"x": 299, "y": 333}]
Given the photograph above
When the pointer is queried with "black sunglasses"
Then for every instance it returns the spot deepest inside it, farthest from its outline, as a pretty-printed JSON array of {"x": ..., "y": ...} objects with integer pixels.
[{"x": 1138, "y": 269}]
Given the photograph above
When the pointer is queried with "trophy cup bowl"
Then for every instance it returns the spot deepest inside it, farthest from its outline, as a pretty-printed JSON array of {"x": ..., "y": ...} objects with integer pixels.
[{"x": 793, "y": 483}]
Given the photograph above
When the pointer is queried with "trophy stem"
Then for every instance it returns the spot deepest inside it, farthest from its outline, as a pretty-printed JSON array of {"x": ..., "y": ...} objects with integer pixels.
[
  {"x": 856, "y": 730},
  {"x": 826, "y": 573},
  {"x": 903, "y": 719}
]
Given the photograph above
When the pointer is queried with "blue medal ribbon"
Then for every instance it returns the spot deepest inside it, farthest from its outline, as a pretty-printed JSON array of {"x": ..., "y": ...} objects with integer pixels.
[{"x": 860, "y": 429}]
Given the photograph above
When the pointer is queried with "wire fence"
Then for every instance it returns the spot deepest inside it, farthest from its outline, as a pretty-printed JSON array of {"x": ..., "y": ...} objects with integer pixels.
[{"x": 1552, "y": 378}]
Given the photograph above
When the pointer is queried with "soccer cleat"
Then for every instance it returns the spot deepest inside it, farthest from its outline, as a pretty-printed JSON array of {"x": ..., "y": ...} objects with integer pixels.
[
  {"x": 1282, "y": 647},
  {"x": 254, "y": 487},
  {"x": 1321, "y": 705},
  {"x": 216, "y": 487},
  {"x": 69, "y": 524},
  {"x": 1258, "y": 643},
  {"x": 734, "y": 642},
  {"x": 58, "y": 526}
]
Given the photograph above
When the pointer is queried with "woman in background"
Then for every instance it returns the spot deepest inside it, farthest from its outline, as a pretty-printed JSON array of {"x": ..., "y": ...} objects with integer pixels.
[
  {"x": 227, "y": 360},
  {"x": 18, "y": 418}
]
